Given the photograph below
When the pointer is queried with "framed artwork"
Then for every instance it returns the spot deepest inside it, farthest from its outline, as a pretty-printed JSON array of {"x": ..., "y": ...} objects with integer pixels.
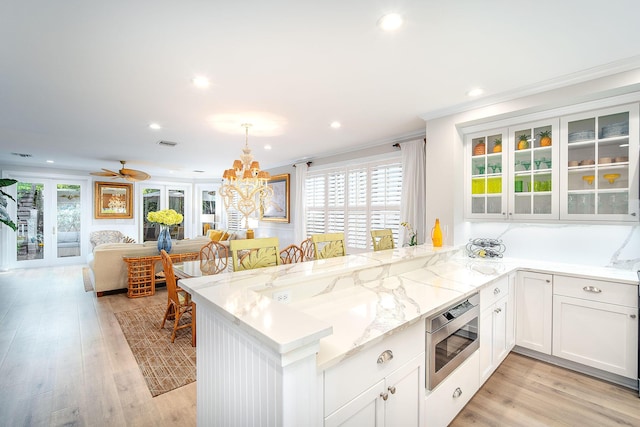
[
  {"x": 277, "y": 209},
  {"x": 113, "y": 200}
]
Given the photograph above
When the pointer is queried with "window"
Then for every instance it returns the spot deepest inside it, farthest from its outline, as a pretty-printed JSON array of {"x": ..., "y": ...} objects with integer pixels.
[{"x": 355, "y": 199}]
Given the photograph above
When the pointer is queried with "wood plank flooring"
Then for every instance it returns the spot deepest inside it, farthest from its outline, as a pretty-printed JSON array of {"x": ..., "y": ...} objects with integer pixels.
[
  {"x": 527, "y": 392},
  {"x": 64, "y": 361}
]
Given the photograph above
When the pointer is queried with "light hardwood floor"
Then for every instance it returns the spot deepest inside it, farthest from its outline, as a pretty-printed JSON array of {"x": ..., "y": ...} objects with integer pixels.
[
  {"x": 64, "y": 361},
  {"x": 527, "y": 392}
]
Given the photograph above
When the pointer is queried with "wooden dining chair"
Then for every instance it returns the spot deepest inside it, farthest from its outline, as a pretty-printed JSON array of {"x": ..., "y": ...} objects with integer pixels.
[
  {"x": 382, "y": 239},
  {"x": 329, "y": 245},
  {"x": 214, "y": 258},
  {"x": 291, "y": 254},
  {"x": 308, "y": 252},
  {"x": 179, "y": 302},
  {"x": 247, "y": 254}
]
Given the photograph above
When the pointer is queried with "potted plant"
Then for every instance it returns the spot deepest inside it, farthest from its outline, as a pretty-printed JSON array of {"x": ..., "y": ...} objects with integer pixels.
[{"x": 4, "y": 215}]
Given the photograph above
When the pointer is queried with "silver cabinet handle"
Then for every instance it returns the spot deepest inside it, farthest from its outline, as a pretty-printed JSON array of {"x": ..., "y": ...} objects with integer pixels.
[
  {"x": 592, "y": 289},
  {"x": 385, "y": 356},
  {"x": 384, "y": 396},
  {"x": 497, "y": 310},
  {"x": 457, "y": 393},
  {"x": 496, "y": 291},
  {"x": 392, "y": 389}
]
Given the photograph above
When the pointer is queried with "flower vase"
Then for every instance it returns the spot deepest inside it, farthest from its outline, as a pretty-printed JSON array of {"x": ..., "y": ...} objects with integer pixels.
[{"x": 164, "y": 239}]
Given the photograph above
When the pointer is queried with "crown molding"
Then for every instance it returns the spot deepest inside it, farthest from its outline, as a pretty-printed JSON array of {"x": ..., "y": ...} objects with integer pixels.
[{"x": 593, "y": 73}]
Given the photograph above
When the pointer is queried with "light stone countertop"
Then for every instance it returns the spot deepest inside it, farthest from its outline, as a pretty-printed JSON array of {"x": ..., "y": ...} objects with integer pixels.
[{"x": 350, "y": 303}]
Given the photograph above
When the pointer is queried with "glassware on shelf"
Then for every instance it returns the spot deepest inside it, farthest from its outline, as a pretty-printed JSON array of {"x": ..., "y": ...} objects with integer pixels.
[
  {"x": 588, "y": 179},
  {"x": 526, "y": 165},
  {"x": 481, "y": 170},
  {"x": 537, "y": 163},
  {"x": 611, "y": 177}
]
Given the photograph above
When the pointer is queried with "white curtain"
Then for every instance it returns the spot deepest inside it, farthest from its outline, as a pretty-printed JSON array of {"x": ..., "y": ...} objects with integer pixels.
[
  {"x": 413, "y": 203},
  {"x": 300, "y": 225}
]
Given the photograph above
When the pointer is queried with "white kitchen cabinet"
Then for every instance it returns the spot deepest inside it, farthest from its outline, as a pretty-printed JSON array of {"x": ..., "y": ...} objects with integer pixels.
[
  {"x": 385, "y": 382},
  {"x": 600, "y": 166},
  {"x": 595, "y": 323},
  {"x": 396, "y": 400},
  {"x": 444, "y": 402},
  {"x": 485, "y": 174},
  {"x": 496, "y": 326},
  {"x": 534, "y": 310}
]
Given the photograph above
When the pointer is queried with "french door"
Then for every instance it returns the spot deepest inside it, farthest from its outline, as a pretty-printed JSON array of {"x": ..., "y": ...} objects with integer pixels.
[
  {"x": 50, "y": 215},
  {"x": 155, "y": 197}
]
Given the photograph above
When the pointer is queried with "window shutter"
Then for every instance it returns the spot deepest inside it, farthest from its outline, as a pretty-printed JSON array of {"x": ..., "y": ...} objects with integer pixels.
[{"x": 355, "y": 200}]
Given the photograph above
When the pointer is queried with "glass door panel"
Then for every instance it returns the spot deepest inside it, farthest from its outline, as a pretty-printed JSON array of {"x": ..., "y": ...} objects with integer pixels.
[
  {"x": 159, "y": 197},
  {"x": 535, "y": 153},
  {"x": 30, "y": 221},
  {"x": 68, "y": 219},
  {"x": 486, "y": 174},
  {"x": 598, "y": 169},
  {"x": 150, "y": 203}
]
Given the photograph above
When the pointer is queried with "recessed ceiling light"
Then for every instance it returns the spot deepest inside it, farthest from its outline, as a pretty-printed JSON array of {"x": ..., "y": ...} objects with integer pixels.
[
  {"x": 200, "y": 82},
  {"x": 50, "y": 161},
  {"x": 475, "y": 92},
  {"x": 155, "y": 126},
  {"x": 267, "y": 147},
  {"x": 335, "y": 125},
  {"x": 390, "y": 22}
]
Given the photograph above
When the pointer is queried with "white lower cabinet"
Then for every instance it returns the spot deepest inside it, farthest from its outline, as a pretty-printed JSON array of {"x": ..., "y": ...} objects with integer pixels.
[
  {"x": 393, "y": 401},
  {"x": 595, "y": 323},
  {"x": 496, "y": 327},
  {"x": 534, "y": 310},
  {"x": 383, "y": 385},
  {"x": 444, "y": 402}
]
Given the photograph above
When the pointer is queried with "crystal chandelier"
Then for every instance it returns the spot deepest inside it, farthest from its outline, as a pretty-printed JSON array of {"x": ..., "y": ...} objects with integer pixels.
[{"x": 245, "y": 187}]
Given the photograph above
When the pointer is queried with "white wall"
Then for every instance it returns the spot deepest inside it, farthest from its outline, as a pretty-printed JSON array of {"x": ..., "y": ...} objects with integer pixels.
[{"x": 604, "y": 245}]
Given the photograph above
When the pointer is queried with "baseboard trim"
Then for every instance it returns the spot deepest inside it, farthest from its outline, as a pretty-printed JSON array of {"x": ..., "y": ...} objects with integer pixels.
[{"x": 578, "y": 367}]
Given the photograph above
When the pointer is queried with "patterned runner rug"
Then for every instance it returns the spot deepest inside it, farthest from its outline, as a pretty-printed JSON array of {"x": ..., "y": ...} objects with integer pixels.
[{"x": 164, "y": 365}]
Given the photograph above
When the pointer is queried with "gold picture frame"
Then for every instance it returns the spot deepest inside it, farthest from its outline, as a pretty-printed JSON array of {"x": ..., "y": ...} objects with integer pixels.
[
  {"x": 113, "y": 200},
  {"x": 277, "y": 209}
]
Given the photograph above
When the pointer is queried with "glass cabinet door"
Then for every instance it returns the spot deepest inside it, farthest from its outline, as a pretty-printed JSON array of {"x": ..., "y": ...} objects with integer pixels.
[
  {"x": 485, "y": 175},
  {"x": 533, "y": 160},
  {"x": 600, "y": 174}
]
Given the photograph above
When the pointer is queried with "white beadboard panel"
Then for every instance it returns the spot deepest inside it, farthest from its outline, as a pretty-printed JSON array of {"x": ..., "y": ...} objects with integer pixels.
[{"x": 242, "y": 382}]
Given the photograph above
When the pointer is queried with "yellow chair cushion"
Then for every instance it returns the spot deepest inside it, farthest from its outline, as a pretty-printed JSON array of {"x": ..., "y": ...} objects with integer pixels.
[{"x": 217, "y": 235}]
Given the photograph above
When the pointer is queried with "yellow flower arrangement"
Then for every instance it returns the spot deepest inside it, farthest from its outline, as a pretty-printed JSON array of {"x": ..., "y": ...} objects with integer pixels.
[{"x": 165, "y": 217}]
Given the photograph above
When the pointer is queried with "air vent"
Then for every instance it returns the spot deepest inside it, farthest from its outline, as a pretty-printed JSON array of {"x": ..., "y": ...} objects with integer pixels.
[
  {"x": 197, "y": 171},
  {"x": 167, "y": 143},
  {"x": 23, "y": 155}
]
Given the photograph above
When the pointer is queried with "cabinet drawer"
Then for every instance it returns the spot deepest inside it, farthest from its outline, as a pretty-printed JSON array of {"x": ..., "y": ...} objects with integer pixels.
[
  {"x": 596, "y": 290},
  {"x": 360, "y": 371},
  {"x": 493, "y": 292},
  {"x": 448, "y": 399}
]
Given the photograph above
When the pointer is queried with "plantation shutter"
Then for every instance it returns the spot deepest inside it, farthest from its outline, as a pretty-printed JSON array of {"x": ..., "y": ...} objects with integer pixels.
[{"x": 355, "y": 200}]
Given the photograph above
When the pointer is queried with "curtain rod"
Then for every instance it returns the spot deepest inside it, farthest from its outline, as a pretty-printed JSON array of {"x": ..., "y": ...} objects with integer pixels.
[
  {"x": 397, "y": 144},
  {"x": 308, "y": 164}
]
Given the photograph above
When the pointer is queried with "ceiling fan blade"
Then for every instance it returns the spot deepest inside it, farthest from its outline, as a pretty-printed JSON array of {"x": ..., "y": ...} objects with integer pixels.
[
  {"x": 106, "y": 173},
  {"x": 138, "y": 175}
]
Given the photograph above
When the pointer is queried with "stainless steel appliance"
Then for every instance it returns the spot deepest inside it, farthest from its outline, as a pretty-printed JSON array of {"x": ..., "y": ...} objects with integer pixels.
[{"x": 452, "y": 335}]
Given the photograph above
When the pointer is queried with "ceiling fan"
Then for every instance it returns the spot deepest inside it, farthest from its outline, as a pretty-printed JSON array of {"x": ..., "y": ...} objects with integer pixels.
[{"x": 128, "y": 174}]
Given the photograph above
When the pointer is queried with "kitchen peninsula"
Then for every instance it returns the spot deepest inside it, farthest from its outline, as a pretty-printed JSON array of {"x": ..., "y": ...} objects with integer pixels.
[{"x": 335, "y": 340}]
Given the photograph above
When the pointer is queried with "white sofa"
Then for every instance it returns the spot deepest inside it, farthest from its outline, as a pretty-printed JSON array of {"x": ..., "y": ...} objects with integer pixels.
[{"x": 108, "y": 271}]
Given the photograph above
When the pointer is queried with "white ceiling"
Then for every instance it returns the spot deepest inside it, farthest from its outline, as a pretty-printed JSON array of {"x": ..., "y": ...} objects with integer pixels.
[{"x": 80, "y": 81}]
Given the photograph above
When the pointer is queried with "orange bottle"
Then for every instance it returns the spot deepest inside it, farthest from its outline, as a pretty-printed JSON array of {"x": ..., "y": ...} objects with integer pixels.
[{"x": 436, "y": 234}]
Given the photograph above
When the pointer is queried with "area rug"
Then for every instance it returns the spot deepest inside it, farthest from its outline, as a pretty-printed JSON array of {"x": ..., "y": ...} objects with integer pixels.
[
  {"x": 164, "y": 365},
  {"x": 88, "y": 286}
]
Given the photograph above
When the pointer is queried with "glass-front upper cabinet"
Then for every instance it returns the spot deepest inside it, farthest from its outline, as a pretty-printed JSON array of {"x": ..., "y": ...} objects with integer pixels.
[
  {"x": 600, "y": 170},
  {"x": 533, "y": 158},
  {"x": 485, "y": 175}
]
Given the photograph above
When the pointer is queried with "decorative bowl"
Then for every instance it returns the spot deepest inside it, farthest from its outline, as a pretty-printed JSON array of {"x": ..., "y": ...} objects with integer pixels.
[
  {"x": 605, "y": 160},
  {"x": 574, "y": 163},
  {"x": 621, "y": 159},
  {"x": 587, "y": 162}
]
